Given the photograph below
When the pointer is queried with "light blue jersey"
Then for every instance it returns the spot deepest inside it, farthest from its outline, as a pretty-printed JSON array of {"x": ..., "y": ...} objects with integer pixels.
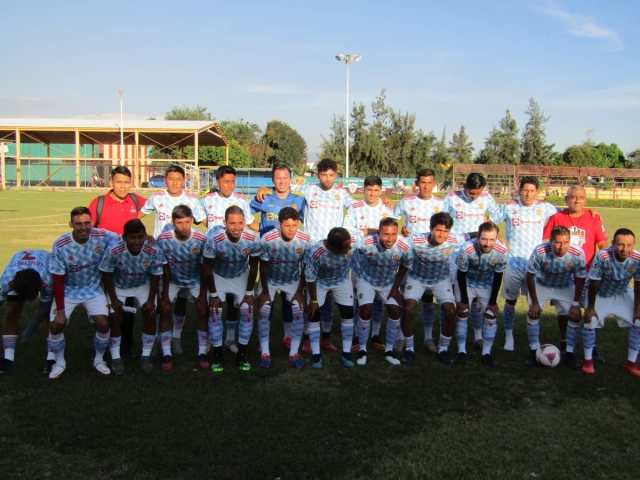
[
  {"x": 80, "y": 262},
  {"x": 215, "y": 205},
  {"x": 557, "y": 272},
  {"x": 131, "y": 271},
  {"x": 284, "y": 258},
  {"x": 525, "y": 227},
  {"x": 183, "y": 257},
  {"x": 431, "y": 264},
  {"x": 231, "y": 259},
  {"x": 326, "y": 268},
  {"x": 325, "y": 209},
  {"x": 467, "y": 214},
  {"x": 163, "y": 204},
  {"x": 480, "y": 266},
  {"x": 361, "y": 216},
  {"x": 417, "y": 212},
  {"x": 37, "y": 260},
  {"x": 377, "y": 265},
  {"x": 614, "y": 276}
]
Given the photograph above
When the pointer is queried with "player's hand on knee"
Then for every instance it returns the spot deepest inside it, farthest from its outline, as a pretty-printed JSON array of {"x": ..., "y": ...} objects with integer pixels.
[
  {"x": 574, "y": 313},
  {"x": 149, "y": 307},
  {"x": 590, "y": 317},
  {"x": 263, "y": 298},
  {"x": 313, "y": 307},
  {"x": 396, "y": 295},
  {"x": 491, "y": 312},
  {"x": 215, "y": 305},
  {"x": 462, "y": 310},
  {"x": 201, "y": 304},
  {"x": 116, "y": 305},
  {"x": 248, "y": 300},
  {"x": 534, "y": 311},
  {"x": 300, "y": 298},
  {"x": 59, "y": 322}
]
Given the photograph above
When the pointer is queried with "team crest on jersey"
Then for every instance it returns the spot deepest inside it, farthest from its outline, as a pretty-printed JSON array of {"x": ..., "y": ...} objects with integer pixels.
[
  {"x": 195, "y": 251},
  {"x": 384, "y": 215},
  {"x": 294, "y": 206},
  {"x": 631, "y": 269},
  {"x": 447, "y": 251},
  {"x": 436, "y": 209},
  {"x": 299, "y": 251},
  {"x": 348, "y": 254},
  {"x": 360, "y": 295},
  {"x": 145, "y": 264},
  {"x": 245, "y": 251},
  {"x": 98, "y": 249},
  {"x": 395, "y": 258},
  {"x": 409, "y": 287},
  {"x": 569, "y": 264},
  {"x": 337, "y": 197},
  {"x": 271, "y": 216},
  {"x": 494, "y": 261},
  {"x": 539, "y": 212},
  {"x": 481, "y": 206}
]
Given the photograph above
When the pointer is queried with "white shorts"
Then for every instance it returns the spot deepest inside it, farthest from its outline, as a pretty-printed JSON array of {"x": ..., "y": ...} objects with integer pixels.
[
  {"x": 561, "y": 297},
  {"x": 482, "y": 295},
  {"x": 514, "y": 284},
  {"x": 140, "y": 293},
  {"x": 182, "y": 292},
  {"x": 366, "y": 293},
  {"x": 342, "y": 294},
  {"x": 443, "y": 291},
  {"x": 620, "y": 306},
  {"x": 95, "y": 306},
  {"x": 236, "y": 286},
  {"x": 289, "y": 289}
]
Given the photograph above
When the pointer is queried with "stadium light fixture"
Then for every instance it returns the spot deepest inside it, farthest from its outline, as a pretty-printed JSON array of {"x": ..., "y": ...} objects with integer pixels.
[{"x": 347, "y": 59}]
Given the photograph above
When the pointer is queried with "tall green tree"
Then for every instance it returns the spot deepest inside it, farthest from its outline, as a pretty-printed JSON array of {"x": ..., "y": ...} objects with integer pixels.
[
  {"x": 188, "y": 113},
  {"x": 634, "y": 158},
  {"x": 334, "y": 145},
  {"x": 490, "y": 153},
  {"x": 249, "y": 136},
  {"x": 534, "y": 147},
  {"x": 288, "y": 146},
  {"x": 460, "y": 147}
]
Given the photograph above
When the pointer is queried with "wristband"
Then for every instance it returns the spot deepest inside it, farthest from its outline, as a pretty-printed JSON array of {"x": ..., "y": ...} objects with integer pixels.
[
  {"x": 249, "y": 293},
  {"x": 213, "y": 295},
  {"x": 575, "y": 304},
  {"x": 313, "y": 301}
]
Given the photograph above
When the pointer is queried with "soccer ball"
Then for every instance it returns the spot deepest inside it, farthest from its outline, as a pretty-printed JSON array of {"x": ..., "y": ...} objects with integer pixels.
[{"x": 548, "y": 355}]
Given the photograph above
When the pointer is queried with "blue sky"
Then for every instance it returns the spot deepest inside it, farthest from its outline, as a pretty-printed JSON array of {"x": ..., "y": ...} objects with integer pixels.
[{"x": 450, "y": 63}]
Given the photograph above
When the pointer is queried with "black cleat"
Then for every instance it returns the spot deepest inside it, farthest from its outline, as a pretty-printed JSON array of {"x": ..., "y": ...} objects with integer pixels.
[
  {"x": 488, "y": 360},
  {"x": 445, "y": 359},
  {"x": 531, "y": 359},
  {"x": 461, "y": 358},
  {"x": 570, "y": 361},
  {"x": 409, "y": 357},
  {"x": 596, "y": 356},
  {"x": 6, "y": 365}
]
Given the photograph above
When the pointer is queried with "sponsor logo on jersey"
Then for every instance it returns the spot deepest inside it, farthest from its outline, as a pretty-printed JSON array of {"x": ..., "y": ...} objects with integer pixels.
[
  {"x": 459, "y": 215},
  {"x": 271, "y": 216},
  {"x": 145, "y": 264},
  {"x": 74, "y": 268},
  {"x": 515, "y": 222},
  {"x": 98, "y": 249},
  {"x": 245, "y": 251},
  {"x": 299, "y": 251},
  {"x": 395, "y": 258},
  {"x": 28, "y": 256},
  {"x": 195, "y": 251},
  {"x": 412, "y": 219},
  {"x": 313, "y": 204}
]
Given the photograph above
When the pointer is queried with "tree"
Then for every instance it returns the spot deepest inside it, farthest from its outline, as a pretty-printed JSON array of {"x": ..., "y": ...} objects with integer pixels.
[
  {"x": 599, "y": 156},
  {"x": 460, "y": 148},
  {"x": 578, "y": 155},
  {"x": 534, "y": 148},
  {"x": 249, "y": 136},
  {"x": 288, "y": 146},
  {"x": 183, "y": 113},
  {"x": 334, "y": 146},
  {"x": 634, "y": 158},
  {"x": 489, "y": 155},
  {"x": 441, "y": 158},
  {"x": 186, "y": 113},
  {"x": 238, "y": 156},
  {"x": 510, "y": 150}
]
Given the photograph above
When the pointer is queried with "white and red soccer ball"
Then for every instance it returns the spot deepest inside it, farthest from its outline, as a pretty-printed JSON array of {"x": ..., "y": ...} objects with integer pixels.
[{"x": 548, "y": 355}]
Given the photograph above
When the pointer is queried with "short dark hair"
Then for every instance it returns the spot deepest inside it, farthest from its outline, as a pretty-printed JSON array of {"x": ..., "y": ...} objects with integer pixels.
[
  {"x": 120, "y": 170},
  {"x": 337, "y": 236},
  {"x": 529, "y": 180},
  {"x": 387, "y": 222},
  {"x": 623, "y": 231},
  {"x": 373, "y": 181},
  {"x": 288, "y": 213},
  {"x": 425, "y": 172},
  {"x": 475, "y": 180},
  {"x": 134, "y": 227},
  {"x": 225, "y": 170},
  {"x": 174, "y": 168},
  {"x": 558, "y": 231},
  {"x": 326, "y": 164},
  {"x": 80, "y": 211},
  {"x": 488, "y": 227},
  {"x": 233, "y": 210},
  {"x": 441, "y": 218},
  {"x": 181, "y": 211},
  {"x": 280, "y": 167},
  {"x": 26, "y": 283}
]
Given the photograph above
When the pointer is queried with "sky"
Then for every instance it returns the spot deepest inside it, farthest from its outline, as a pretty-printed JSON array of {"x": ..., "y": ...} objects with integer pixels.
[{"x": 450, "y": 63}]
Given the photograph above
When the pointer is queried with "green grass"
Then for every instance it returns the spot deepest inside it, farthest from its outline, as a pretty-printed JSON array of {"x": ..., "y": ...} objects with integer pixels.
[{"x": 369, "y": 422}]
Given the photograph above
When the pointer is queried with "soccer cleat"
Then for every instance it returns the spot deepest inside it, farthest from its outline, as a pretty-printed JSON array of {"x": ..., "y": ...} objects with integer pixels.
[
  {"x": 101, "y": 367},
  {"x": 531, "y": 359},
  {"x": 596, "y": 356},
  {"x": 478, "y": 344},
  {"x": 317, "y": 362},
  {"x": 327, "y": 345},
  {"x": 388, "y": 356},
  {"x": 203, "y": 362},
  {"x": 232, "y": 346},
  {"x": 430, "y": 345},
  {"x": 287, "y": 342},
  {"x": 306, "y": 346},
  {"x": 409, "y": 357},
  {"x": 445, "y": 359},
  {"x": 297, "y": 361},
  {"x": 176, "y": 346},
  {"x": 242, "y": 362},
  {"x": 461, "y": 358},
  {"x": 362, "y": 358},
  {"x": 48, "y": 366},
  {"x": 167, "y": 363},
  {"x": 146, "y": 365},
  {"x": 6, "y": 365},
  {"x": 265, "y": 361},
  {"x": 488, "y": 360},
  {"x": 509, "y": 345},
  {"x": 587, "y": 367},
  {"x": 57, "y": 370},
  {"x": 398, "y": 346},
  {"x": 117, "y": 366},
  {"x": 377, "y": 343},
  {"x": 345, "y": 358},
  {"x": 632, "y": 368},
  {"x": 355, "y": 345},
  {"x": 570, "y": 361}
]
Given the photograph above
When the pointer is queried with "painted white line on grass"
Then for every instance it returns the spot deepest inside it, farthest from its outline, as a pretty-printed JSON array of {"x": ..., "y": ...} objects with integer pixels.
[
  {"x": 43, "y": 225},
  {"x": 29, "y": 218}
]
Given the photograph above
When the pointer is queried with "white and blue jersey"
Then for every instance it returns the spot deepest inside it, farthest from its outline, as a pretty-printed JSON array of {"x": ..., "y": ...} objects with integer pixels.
[
  {"x": 614, "y": 276},
  {"x": 326, "y": 268},
  {"x": 431, "y": 264},
  {"x": 361, "y": 216},
  {"x": 270, "y": 209},
  {"x": 130, "y": 271},
  {"x": 467, "y": 214},
  {"x": 417, "y": 212},
  {"x": 37, "y": 260},
  {"x": 525, "y": 227},
  {"x": 214, "y": 205},
  {"x": 324, "y": 210},
  {"x": 231, "y": 259},
  {"x": 377, "y": 265},
  {"x": 480, "y": 266},
  {"x": 80, "y": 263},
  {"x": 284, "y": 258},
  {"x": 183, "y": 257},
  {"x": 163, "y": 204},
  {"x": 557, "y": 272}
]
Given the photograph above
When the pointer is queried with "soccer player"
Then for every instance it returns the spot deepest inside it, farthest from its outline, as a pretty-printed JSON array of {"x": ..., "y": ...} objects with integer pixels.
[
  {"x": 283, "y": 251},
  {"x": 429, "y": 270},
  {"x": 556, "y": 271},
  {"x": 132, "y": 268},
  {"x": 216, "y": 203},
  {"x": 327, "y": 267},
  {"x": 525, "y": 219},
  {"x": 481, "y": 263},
  {"x": 75, "y": 265},
  {"x": 26, "y": 276},
  {"x": 182, "y": 249},
  {"x": 375, "y": 262},
  {"x": 587, "y": 232},
  {"x": 610, "y": 294},
  {"x": 230, "y": 268},
  {"x": 417, "y": 211}
]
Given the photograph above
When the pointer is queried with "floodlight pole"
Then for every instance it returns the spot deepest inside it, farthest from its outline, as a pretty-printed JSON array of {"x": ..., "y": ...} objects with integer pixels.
[
  {"x": 347, "y": 60},
  {"x": 121, "y": 130}
]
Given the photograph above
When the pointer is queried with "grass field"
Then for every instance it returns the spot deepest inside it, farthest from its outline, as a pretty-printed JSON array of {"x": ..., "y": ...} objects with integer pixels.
[{"x": 377, "y": 421}]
